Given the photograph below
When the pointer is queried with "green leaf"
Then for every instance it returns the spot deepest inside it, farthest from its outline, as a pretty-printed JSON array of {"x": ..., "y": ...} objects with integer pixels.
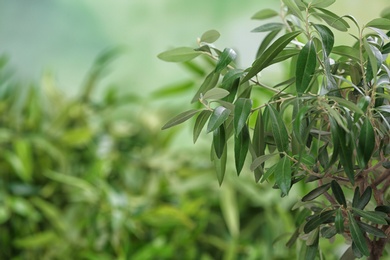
[
  {"x": 241, "y": 146},
  {"x": 333, "y": 20},
  {"x": 339, "y": 137},
  {"x": 219, "y": 140},
  {"x": 220, "y": 114},
  {"x": 360, "y": 202},
  {"x": 230, "y": 77},
  {"x": 264, "y": 14},
  {"x": 283, "y": 175},
  {"x": 182, "y": 117},
  {"x": 375, "y": 217},
  {"x": 328, "y": 232},
  {"x": 327, "y": 37},
  {"x": 316, "y": 192},
  {"x": 357, "y": 235},
  {"x": 339, "y": 221},
  {"x": 371, "y": 230},
  {"x": 379, "y": 23},
  {"x": 215, "y": 93},
  {"x": 269, "y": 27},
  {"x": 259, "y": 135},
  {"x": 347, "y": 51},
  {"x": 220, "y": 164},
  {"x": 306, "y": 66},
  {"x": 322, "y": 3},
  {"x": 293, "y": 9},
  {"x": 372, "y": 58},
  {"x": 317, "y": 220},
  {"x": 267, "y": 41},
  {"x": 210, "y": 36},
  {"x": 366, "y": 141},
  {"x": 260, "y": 160},
  {"x": 227, "y": 56},
  {"x": 279, "y": 130},
  {"x": 312, "y": 245},
  {"x": 242, "y": 109},
  {"x": 338, "y": 193},
  {"x": 180, "y": 54},
  {"x": 210, "y": 82},
  {"x": 200, "y": 122},
  {"x": 269, "y": 54},
  {"x": 348, "y": 104}
]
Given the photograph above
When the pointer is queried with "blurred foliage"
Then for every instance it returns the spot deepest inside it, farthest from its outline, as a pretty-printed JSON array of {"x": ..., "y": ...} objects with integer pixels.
[{"x": 88, "y": 179}]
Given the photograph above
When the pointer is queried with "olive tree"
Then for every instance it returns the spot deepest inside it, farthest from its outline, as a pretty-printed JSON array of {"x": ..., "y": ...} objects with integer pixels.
[{"x": 326, "y": 121}]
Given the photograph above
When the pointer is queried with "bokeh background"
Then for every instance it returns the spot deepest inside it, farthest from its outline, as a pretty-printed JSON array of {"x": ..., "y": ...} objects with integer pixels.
[{"x": 103, "y": 182}]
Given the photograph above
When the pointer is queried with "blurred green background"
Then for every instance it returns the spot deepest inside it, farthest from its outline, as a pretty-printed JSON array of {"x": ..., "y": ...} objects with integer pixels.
[{"x": 86, "y": 172}]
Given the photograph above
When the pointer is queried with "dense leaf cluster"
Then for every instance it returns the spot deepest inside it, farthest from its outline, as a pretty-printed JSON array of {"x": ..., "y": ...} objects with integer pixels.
[{"x": 327, "y": 121}]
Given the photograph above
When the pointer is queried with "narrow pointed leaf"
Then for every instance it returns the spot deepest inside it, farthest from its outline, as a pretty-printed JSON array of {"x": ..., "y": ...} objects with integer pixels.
[
  {"x": 260, "y": 160},
  {"x": 333, "y": 20},
  {"x": 180, "y": 54},
  {"x": 269, "y": 54},
  {"x": 360, "y": 202},
  {"x": 327, "y": 37},
  {"x": 322, "y": 3},
  {"x": 220, "y": 164},
  {"x": 328, "y": 232},
  {"x": 267, "y": 41},
  {"x": 259, "y": 136},
  {"x": 279, "y": 130},
  {"x": 375, "y": 217},
  {"x": 379, "y": 23},
  {"x": 242, "y": 110},
  {"x": 317, "y": 220},
  {"x": 227, "y": 56},
  {"x": 283, "y": 175},
  {"x": 182, "y": 117},
  {"x": 306, "y": 65},
  {"x": 316, "y": 192},
  {"x": 200, "y": 122},
  {"x": 293, "y": 8},
  {"x": 372, "y": 230},
  {"x": 339, "y": 221},
  {"x": 269, "y": 27},
  {"x": 210, "y": 82},
  {"x": 312, "y": 245},
  {"x": 241, "y": 146},
  {"x": 347, "y": 51},
  {"x": 210, "y": 36},
  {"x": 366, "y": 141},
  {"x": 215, "y": 93},
  {"x": 357, "y": 236},
  {"x": 264, "y": 14},
  {"x": 220, "y": 114},
  {"x": 338, "y": 193},
  {"x": 219, "y": 140}
]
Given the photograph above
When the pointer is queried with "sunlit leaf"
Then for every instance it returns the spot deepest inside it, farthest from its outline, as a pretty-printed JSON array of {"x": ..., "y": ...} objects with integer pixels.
[
  {"x": 267, "y": 41},
  {"x": 269, "y": 54},
  {"x": 269, "y": 27},
  {"x": 215, "y": 93},
  {"x": 316, "y": 192},
  {"x": 182, "y": 117},
  {"x": 180, "y": 54},
  {"x": 306, "y": 65},
  {"x": 293, "y": 9},
  {"x": 242, "y": 109},
  {"x": 210, "y": 36},
  {"x": 379, "y": 23},
  {"x": 283, "y": 175},
  {"x": 241, "y": 146},
  {"x": 357, "y": 235},
  {"x": 347, "y": 51},
  {"x": 220, "y": 164},
  {"x": 264, "y": 14},
  {"x": 200, "y": 122},
  {"x": 220, "y": 114}
]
